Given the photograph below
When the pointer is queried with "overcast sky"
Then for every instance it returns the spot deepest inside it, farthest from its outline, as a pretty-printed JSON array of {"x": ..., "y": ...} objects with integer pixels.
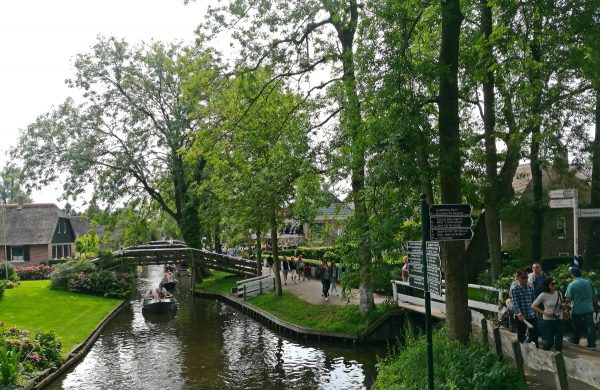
[{"x": 40, "y": 38}]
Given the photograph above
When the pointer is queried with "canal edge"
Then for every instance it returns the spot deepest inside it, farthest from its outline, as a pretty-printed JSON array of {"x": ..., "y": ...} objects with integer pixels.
[
  {"x": 299, "y": 332},
  {"x": 77, "y": 352}
]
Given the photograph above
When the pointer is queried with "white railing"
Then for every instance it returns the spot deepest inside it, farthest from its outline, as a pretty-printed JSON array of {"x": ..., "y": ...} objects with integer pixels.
[
  {"x": 438, "y": 301},
  {"x": 254, "y": 286}
]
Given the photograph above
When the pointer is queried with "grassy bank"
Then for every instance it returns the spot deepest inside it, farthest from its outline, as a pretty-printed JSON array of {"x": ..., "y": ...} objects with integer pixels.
[
  {"x": 288, "y": 307},
  {"x": 71, "y": 316},
  {"x": 333, "y": 318},
  {"x": 220, "y": 282}
]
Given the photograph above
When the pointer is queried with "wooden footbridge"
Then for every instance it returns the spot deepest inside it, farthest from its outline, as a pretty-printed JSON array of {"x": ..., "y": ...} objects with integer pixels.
[{"x": 176, "y": 252}]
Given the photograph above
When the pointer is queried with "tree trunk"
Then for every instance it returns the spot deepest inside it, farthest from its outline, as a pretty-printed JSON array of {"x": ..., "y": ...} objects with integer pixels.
[
  {"x": 278, "y": 289},
  {"x": 492, "y": 219},
  {"x": 537, "y": 209},
  {"x": 258, "y": 253},
  {"x": 592, "y": 253},
  {"x": 424, "y": 166},
  {"x": 352, "y": 121},
  {"x": 458, "y": 315}
]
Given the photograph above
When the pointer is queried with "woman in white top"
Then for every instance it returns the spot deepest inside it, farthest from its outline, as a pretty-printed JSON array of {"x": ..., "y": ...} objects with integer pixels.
[{"x": 552, "y": 302}]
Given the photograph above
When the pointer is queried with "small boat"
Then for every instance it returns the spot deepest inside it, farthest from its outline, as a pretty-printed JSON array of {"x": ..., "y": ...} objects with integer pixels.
[{"x": 163, "y": 305}]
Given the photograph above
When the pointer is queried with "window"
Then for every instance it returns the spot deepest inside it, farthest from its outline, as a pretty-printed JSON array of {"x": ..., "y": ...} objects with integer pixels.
[
  {"x": 61, "y": 251},
  {"x": 17, "y": 253},
  {"x": 561, "y": 228}
]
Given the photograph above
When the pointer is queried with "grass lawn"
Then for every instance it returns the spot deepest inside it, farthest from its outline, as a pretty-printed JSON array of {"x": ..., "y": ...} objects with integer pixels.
[
  {"x": 333, "y": 318},
  {"x": 71, "y": 316},
  {"x": 220, "y": 282}
]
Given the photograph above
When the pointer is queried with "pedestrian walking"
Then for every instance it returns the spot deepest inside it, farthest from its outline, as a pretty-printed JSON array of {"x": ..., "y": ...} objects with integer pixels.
[
  {"x": 325, "y": 278},
  {"x": 270, "y": 263},
  {"x": 552, "y": 302},
  {"x": 523, "y": 295},
  {"x": 300, "y": 265},
  {"x": 334, "y": 278},
  {"x": 285, "y": 269},
  {"x": 583, "y": 294},
  {"x": 294, "y": 270},
  {"x": 405, "y": 276}
]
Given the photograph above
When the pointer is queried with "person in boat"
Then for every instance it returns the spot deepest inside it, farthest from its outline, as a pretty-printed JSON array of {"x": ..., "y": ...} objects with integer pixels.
[
  {"x": 162, "y": 293},
  {"x": 168, "y": 277}
]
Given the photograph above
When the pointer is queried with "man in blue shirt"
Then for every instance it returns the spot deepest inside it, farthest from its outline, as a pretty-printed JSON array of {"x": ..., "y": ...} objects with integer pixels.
[
  {"x": 523, "y": 295},
  {"x": 581, "y": 292}
]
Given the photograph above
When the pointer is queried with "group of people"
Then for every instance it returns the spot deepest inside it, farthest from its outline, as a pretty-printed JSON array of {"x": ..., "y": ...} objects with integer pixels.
[
  {"x": 330, "y": 274},
  {"x": 297, "y": 270},
  {"x": 538, "y": 305},
  {"x": 161, "y": 292}
]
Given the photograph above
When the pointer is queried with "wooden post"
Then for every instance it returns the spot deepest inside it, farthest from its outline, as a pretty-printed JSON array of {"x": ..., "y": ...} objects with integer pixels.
[
  {"x": 519, "y": 358},
  {"x": 395, "y": 290},
  {"x": 260, "y": 286},
  {"x": 244, "y": 292},
  {"x": 498, "y": 343},
  {"x": 484, "y": 332},
  {"x": 560, "y": 372}
]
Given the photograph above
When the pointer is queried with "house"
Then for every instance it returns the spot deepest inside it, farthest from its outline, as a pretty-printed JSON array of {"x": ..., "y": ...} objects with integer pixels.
[
  {"x": 328, "y": 222},
  {"x": 558, "y": 225},
  {"x": 34, "y": 233}
]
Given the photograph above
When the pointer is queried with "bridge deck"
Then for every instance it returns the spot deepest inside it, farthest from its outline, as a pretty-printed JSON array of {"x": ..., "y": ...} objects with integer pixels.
[{"x": 178, "y": 253}]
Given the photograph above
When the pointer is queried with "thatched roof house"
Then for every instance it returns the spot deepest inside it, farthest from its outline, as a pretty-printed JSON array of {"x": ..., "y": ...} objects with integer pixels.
[{"x": 35, "y": 232}]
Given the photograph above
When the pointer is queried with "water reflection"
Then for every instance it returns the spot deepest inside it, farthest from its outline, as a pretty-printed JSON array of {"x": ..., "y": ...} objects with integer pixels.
[{"x": 208, "y": 345}]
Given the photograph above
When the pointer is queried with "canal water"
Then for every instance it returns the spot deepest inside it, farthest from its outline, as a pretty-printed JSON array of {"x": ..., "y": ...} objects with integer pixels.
[{"x": 208, "y": 345}]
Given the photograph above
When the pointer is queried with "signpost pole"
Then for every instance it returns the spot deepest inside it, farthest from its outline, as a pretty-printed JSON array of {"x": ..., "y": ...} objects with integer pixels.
[
  {"x": 575, "y": 226},
  {"x": 425, "y": 232}
]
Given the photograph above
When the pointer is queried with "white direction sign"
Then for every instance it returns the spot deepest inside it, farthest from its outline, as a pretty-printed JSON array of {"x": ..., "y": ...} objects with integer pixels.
[
  {"x": 589, "y": 213},
  {"x": 561, "y": 203},
  {"x": 562, "y": 193}
]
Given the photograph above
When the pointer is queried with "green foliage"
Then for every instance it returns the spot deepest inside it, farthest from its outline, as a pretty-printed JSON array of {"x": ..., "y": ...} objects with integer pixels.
[
  {"x": 457, "y": 366},
  {"x": 87, "y": 245},
  {"x": 2, "y": 288},
  {"x": 7, "y": 271},
  {"x": 82, "y": 276},
  {"x": 10, "y": 366},
  {"x": 63, "y": 272},
  {"x": 34, "y": 272}
]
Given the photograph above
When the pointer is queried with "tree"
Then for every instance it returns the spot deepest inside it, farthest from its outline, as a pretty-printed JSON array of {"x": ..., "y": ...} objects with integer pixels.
[
  {"x": 258, "y": 152},
  {"x": 295, "y": 40},
  {"x": 126, "y": 140},
  {"x": 13, "y": 185},
  {"x": 458, "y": 319}
]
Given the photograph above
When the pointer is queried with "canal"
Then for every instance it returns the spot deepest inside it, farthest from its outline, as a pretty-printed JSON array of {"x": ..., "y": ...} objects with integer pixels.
[{"x": 208, "y": 345}]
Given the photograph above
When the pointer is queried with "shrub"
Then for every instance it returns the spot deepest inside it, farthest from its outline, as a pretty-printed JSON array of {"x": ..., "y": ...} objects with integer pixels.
[
  {"x": 10, "y": 366},
  {"x": 2, "y": 288},
  {"x": 7, "y": 271},
  {"x": 457, "y": 366},
  {"x": 64, "y": 272},
  {"x": 35, "y": 352},
  {"x": 34, "y": 272}
]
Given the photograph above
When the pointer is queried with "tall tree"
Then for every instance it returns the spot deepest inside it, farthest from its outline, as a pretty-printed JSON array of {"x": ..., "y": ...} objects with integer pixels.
[
  {"x": 258, "y": 150},
  {"x": 458, "y": 319},
  {"x": 126, "y": 139},
  {"x": 295, "y": 40}
]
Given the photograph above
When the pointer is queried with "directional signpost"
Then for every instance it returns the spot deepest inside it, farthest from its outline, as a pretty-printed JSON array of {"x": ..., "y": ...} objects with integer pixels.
[
  {"x": 589, "y": 213},
  {"x": 450, "y": 222},
  {"x": 566, "y": 198}
]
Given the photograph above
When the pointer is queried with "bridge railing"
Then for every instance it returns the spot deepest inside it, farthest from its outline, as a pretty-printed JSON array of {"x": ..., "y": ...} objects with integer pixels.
[{"x": 439, "y": 301}]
